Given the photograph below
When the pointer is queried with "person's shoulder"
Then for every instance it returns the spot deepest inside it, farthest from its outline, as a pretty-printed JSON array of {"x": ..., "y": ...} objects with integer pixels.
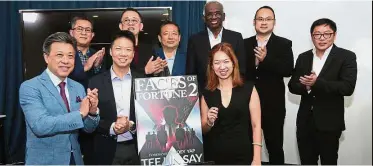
[
  {"x": 344, "y": 51},
  {"x": 232, "y": 33},
  {"x": 250, "y": 39},
  {"x": 305, "y": 53},
  {"x": 281, "y": 39},
  {"x": 136, "y": 74}
]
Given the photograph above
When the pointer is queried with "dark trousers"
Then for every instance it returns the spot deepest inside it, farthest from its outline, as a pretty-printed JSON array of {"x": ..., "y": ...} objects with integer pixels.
[
  {"x": 313, "y": 143},
  {"x": 126, "y": 154},
  {"x": 273, "y": 131},
  {"x": 86, "y": 141}
]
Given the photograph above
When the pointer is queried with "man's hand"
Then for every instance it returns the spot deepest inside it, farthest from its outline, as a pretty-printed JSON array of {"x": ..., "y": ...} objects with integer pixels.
[
  {"x": 123, "y": 120},
  {"x": 118, "y": 128},
  {"x": 308, "y": 80},
  {"x": 100, "y": 56},
  {"x": 153, "y": 66},
  {"x": 84, "y": 107},
  {"x": 260, "y": 53},
  {"x": 88, "y": 65},
  {"x": 92, "y": 95}
]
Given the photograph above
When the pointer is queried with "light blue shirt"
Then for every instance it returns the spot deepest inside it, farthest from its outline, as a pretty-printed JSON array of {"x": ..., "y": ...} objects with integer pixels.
[
  {"x": 122, "y": 94},
  {"x": 170, "y": 63}
]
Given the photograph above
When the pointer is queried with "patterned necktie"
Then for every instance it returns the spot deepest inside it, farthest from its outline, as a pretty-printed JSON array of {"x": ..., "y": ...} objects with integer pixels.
[{"x": 63, "y": 95}]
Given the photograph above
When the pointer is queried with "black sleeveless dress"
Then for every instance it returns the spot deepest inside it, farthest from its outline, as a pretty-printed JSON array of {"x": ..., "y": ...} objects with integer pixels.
[{"x": 230, "y": 139}]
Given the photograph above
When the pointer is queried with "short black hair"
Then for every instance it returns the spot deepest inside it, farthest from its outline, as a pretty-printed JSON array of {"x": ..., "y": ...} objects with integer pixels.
[
  {"x": 76, "y": 18},
  {"x": 123, "y": 34},
  {"x": 131, "y": 9},
  {"x": 324, "y": 21},
  {"x": 167, "y": 22},
  {"x": 58, "y": 37},
  {"x": 265, "y": 7}
]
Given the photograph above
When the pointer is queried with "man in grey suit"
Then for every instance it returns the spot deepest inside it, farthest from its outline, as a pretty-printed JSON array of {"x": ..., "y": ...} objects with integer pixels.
[{"x": 56, "y": 107}]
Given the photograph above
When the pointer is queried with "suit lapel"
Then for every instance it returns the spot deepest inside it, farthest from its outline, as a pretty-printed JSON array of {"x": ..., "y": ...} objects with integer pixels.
[
  {"x": 205, "y": 40},
  {"x": 72, "y": 95},
  {"x": 177, "y": 65},
  {"x": 309, "y": 63},
  {"x": 328, "y": 60},
  {"x": 47, "y": 83},
  {"x": 108, "y": 86}
]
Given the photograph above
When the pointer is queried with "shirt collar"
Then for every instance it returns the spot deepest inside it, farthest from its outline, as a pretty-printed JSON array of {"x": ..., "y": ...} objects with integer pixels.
[
  {"x": 266, "y": 40},
  {"x": 326, "y": 53},
  {"x": 55, "y": 80},
  {"x": 212, "y": 35},
  {"x": 114, "y": 76}
]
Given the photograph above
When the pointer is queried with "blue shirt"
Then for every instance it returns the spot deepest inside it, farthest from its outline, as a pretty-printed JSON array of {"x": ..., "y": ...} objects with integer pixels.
[{"x": 122, "y": 94}]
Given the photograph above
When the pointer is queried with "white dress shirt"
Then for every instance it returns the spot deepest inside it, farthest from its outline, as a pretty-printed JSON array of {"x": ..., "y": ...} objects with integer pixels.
[
  {"x": 318, "y": 63},
  {"x": 122, "y": 94},
  {"x": 214, "y": 41}
]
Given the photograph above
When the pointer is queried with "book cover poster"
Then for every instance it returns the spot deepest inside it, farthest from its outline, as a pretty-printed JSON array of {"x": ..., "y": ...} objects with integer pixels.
[{"x": 168, "y": 120}]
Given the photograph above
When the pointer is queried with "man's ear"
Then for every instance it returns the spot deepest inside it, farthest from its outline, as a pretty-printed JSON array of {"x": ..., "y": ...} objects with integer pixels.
[
  {"x": 159, "y": 39},
  {"x": 45, "y": 57},
  {"x": 93, "y": 34},
  {"x": 71, "y": 33}
]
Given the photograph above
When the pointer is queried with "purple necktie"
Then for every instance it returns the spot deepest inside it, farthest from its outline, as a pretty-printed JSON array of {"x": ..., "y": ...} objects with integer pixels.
[{"x": 63, "y": 94}]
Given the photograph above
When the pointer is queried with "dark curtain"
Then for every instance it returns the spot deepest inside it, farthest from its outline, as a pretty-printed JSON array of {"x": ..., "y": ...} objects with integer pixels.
[{"x": 187, "y": 14}]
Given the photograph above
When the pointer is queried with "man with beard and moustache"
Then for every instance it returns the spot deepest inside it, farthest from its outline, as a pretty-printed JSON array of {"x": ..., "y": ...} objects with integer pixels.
[
  {"x": 115, "y": 142},
  {"x": 143, "y": 61},
  {"x": 322, "y": 76},
  {"x": 269, "y": 60},
  {"x": 88, "y": 62},
  {"x": 200, "y": 44}
]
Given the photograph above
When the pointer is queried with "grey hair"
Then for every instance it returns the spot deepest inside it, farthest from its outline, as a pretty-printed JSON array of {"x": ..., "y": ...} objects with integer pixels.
[
  {"x": 58, "y": 37},
  {"x": 215, "y": 2}
]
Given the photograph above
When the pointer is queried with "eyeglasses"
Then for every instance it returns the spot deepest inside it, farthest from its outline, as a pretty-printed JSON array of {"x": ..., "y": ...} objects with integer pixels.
[
  {"x": 130, "y": 21},
  {"x": 260, "y": 19},
  {"x": 212, "y": 14},
  {"x": 319, "y": 35},
  {"x": 80, "y": 29}
]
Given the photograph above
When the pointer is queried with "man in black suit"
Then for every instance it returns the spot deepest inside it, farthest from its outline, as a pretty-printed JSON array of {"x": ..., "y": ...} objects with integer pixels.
[
  {"x": 115, "y": 143},
  {"x": 200, "y": 44},
  {"x": 144, "y": 60},
  {"x": 322, "y": 76},
  {"x": 269, "y": 60}
]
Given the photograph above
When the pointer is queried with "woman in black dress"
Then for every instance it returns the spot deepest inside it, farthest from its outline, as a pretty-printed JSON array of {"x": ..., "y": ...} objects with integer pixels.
[{"x": 230, "y": 111}]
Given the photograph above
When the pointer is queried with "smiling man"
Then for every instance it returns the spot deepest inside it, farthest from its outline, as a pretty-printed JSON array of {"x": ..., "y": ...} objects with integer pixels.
[
  {"x": 200, "y": 44},
  {"x": 269, "y": 60},
  {"x": 322, "y": 76},
  {"x": 88, "y": 62},
  {"x": 56, "y": 107}
]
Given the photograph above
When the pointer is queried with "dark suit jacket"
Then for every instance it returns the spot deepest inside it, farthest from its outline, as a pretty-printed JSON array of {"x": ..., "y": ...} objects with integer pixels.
[
  {"x": 326, "y": 100},
  {"x": 178, "y": 68},
  {"x": 105, "y": 144},
  {"x": 199, "y": 51},
  {"x": 269, "y": 76},
  {"x": 145, "y": 52},
  {"x": 78, "y": 73}
]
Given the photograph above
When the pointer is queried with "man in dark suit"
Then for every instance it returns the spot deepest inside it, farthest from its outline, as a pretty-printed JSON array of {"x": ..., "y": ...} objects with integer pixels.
[
  {"x": 169, "y": 36},
  {"x": 322, "y": 76},
  {"x": 144, "y": 61},
  {"x": 115, "y": 143},
  {"x": 88, "y": 62},
  {"x": 200, "y": 44},
  {"x": 269, "y": 60}
]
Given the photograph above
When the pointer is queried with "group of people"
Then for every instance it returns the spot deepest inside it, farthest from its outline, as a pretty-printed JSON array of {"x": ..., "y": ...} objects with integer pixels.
[{"x": 241, "y": 82}]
